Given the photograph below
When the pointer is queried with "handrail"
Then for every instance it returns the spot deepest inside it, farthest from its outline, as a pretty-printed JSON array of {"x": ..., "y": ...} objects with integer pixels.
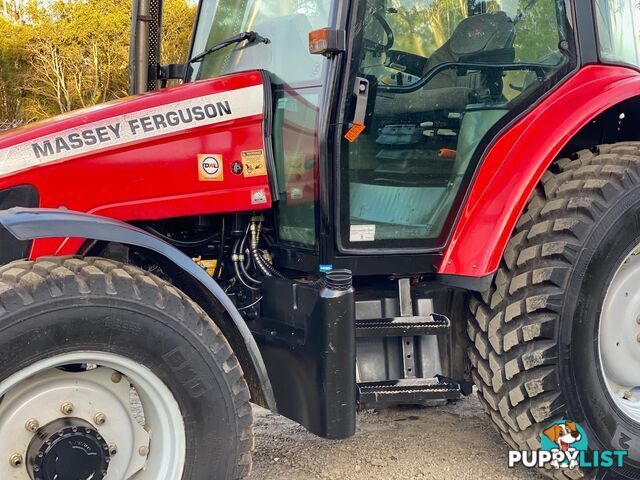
[{"x": 539, "y": 68}]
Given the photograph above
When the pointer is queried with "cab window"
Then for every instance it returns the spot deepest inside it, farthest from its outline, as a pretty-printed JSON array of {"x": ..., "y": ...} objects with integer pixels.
[
  {"x": 442, "y": 75},
  {"x": 619, "y": 30}
]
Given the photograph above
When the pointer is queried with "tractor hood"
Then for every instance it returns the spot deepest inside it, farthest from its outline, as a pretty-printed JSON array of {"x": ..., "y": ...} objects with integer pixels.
[
  {"x": 193, "y": 149},
  {"x": 131, "y": 120}
]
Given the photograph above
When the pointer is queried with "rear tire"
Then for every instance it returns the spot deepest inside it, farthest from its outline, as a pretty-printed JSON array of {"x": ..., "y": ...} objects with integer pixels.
[
  {"x": 534, "y": 335},
  {"x": 60, "y": 306}
]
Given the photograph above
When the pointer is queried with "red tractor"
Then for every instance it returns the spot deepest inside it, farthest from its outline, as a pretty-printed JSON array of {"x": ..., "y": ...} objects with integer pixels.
[{"x": 342, "y": 204}]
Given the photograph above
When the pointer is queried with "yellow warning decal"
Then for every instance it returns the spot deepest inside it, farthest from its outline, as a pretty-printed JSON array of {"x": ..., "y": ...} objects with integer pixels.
[{"x": 254, "y": 163}]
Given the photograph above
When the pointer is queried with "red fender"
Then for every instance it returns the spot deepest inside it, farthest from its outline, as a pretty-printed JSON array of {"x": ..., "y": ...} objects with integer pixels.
[{"x": 517, "y": 161}]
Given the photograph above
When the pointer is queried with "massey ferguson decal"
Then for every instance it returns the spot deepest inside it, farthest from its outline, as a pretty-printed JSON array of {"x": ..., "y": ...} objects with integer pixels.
[{"x": 144, "y": 124}]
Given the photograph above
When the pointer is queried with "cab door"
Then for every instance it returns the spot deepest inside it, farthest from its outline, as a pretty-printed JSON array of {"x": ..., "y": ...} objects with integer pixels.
[{"x": 442, "y": 78}]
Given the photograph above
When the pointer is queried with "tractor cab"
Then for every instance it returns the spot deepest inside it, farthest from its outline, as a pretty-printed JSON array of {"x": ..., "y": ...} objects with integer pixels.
[
  {"x": 376, "y": 116},
  {"x": 378, "y": 128}
]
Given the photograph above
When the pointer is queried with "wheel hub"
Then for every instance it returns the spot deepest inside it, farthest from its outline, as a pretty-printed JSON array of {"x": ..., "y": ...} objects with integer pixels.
[
  {"x": 619, "y": 337},
  {"x": 94, "y": 402},
  {"x": 59, "y": 420},
  {"x": 68, "y": 448}
]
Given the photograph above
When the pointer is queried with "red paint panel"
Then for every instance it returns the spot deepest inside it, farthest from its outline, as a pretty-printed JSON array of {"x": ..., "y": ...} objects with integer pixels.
[
  {"x": 516, "y": 162},
  {"x": 149, "y": 176}
]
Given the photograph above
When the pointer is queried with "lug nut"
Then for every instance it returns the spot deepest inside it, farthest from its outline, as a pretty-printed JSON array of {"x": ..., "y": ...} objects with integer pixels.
[
  {"x": 99, "y": 418},
  {"x": 143, "y": 451},
  {"x": 32, "y": 425},
  {"x": 15, "y": 460},
  {"x": 66, "y": 408},
  {"x": 113, "y": 449},
  {"x": 116, "y": 377}
]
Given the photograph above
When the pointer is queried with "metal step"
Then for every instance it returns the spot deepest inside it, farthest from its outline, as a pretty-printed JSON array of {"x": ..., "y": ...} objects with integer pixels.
[
  {"x": 434, "y": 324},
  {"x": 411, "y": 391}
]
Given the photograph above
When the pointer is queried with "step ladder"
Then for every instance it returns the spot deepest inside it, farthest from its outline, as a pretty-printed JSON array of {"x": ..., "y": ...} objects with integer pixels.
[{"x": 412, "y": 335}]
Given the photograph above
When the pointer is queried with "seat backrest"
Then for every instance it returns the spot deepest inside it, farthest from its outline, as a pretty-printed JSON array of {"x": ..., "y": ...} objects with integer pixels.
[{"x": 475, "y": 34}]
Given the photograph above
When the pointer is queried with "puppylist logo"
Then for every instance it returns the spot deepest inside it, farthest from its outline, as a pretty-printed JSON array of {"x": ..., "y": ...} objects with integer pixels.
[{"x": 564, "y": 445}]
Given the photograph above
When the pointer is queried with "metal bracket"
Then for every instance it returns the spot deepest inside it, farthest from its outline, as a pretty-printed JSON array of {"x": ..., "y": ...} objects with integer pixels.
[
  {"x": 361, "y": 91},
  {"x": 408, "y": 343}
]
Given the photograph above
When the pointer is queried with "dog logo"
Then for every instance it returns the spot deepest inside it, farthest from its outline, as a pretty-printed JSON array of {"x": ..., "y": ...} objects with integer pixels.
[
  {"x": 565, "y": 440},
  {"x": 564, "y": 445}
]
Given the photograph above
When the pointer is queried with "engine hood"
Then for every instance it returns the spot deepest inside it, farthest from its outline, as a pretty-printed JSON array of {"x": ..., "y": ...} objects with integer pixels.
[
  {"x": 130, "y": 120},
  {"x": 197, "y": 149}
]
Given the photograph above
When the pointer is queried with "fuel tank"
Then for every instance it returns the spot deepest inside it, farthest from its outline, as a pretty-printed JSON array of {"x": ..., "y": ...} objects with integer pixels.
[{"x": 195, "y": 149}]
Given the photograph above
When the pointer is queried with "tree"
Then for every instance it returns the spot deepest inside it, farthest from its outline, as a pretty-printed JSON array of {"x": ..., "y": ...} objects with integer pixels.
[{"x": 67, "y": 54}]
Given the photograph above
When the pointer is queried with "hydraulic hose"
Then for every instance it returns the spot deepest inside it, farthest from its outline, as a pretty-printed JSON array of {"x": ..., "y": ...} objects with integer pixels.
[
  {"x": 238, "y": 264},
  {"x": 253, "y": 248}
]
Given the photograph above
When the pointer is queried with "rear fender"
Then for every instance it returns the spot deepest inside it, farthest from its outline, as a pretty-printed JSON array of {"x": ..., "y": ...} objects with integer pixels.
[
  {"x": 33, "y": 223},
  {"x": 518, "y": 159}
]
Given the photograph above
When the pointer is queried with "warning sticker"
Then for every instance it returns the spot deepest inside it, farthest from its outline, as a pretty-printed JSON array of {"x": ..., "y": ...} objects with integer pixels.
[
  {"x": 254, "y": 163},
  {"x": 210, "y": 167},
  {"x": 354, "y": 132},
  {"x": 362, "y": 233}
]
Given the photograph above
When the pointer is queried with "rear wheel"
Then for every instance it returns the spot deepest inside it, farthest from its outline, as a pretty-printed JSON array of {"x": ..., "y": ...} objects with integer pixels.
[
  {"x": 558, "y": 335},
  {"x": 110, "y": 357}
]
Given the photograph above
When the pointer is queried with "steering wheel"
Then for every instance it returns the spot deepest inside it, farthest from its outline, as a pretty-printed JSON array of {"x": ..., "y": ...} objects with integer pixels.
[{"x": 376, "y": 47}]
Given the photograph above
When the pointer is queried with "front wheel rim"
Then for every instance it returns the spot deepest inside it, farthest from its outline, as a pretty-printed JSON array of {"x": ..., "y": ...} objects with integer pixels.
[
  {"x": 158, "y": 454},
  {"x": 619, "y": 338}
]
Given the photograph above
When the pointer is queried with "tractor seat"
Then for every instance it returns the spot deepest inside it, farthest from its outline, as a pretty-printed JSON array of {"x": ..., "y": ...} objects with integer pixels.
[{"x": 449, "y": 91}]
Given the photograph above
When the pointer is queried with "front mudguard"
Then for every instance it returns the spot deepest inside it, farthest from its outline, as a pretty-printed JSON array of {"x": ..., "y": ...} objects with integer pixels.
[{"x": 34, "y": 223}]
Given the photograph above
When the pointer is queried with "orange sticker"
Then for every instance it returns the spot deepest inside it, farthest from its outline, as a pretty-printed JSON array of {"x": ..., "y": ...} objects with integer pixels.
[
  {"x": 354, "y": 132},
  {"x": 210, "y": 167}
]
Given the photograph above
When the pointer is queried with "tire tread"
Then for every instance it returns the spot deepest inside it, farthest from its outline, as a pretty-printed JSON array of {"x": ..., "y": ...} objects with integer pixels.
[
  {"x": 513, "y": 348},
  {"x": 24, "y": 282}
]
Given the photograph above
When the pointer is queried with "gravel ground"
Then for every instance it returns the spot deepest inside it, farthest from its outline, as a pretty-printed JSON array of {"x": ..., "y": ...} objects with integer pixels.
[{"x": 451, "y": 442}]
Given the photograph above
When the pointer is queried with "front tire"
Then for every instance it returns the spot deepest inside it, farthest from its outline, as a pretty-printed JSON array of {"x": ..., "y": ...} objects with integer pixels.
[
  {"x": 76, "y": 323},
  {"x": 536, "y": 338}
]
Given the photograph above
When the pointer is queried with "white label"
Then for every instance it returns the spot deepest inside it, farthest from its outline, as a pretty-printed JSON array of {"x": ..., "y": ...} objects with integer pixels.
[
  {"x": 362, "y": 233},
  {"x": 133, "y": 127}
]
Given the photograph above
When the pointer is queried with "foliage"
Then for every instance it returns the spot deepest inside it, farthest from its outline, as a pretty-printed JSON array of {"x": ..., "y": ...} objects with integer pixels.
[
  {"x": 60, "y": 55},
  {"x": 67, "y": 54}
]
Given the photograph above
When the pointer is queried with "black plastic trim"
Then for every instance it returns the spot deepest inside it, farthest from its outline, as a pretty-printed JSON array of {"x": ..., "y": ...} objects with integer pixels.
[
  {"x": 16, "y": 196},
  {"x": 475, "y": 284},
  {"x": 33, "y": 223},
  {"x": 267, "y": 135},
  {"x": 587, "y": 33}
]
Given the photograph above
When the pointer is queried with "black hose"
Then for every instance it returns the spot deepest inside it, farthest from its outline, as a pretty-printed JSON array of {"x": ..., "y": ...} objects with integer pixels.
[
  {"x": 243, "y": 267},
  {"x": 271, "y": 268},
  {"x": 248, "y": 276},
  {"x": 217, "y": 271},
  {"x": 179, "y": 243},
  {"x": 236, "y": 268},
  {"x": 264, "y": 266},
  {"x": 246, "y": 307},
  {"x": 239, "y": 276},
  {"x": 253, "y": 247}
]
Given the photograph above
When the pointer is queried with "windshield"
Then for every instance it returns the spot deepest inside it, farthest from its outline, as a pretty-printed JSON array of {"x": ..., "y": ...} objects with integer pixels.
[{"x": 286, "y": 23}]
